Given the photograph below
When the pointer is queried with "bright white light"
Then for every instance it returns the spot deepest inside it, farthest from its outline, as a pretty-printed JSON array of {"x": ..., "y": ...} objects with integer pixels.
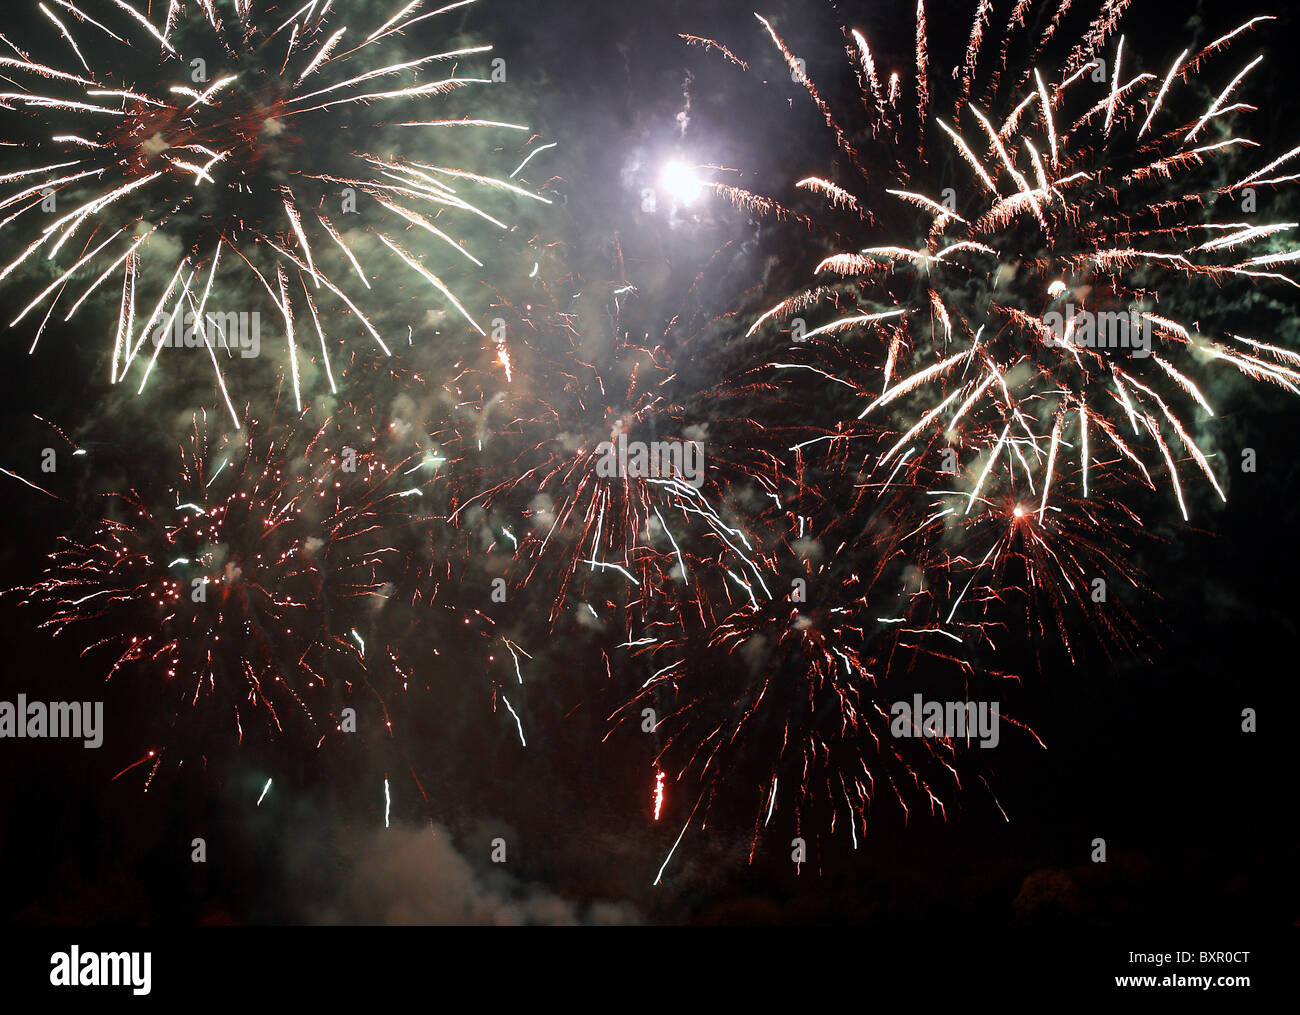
[{"x": 680, "y": 181}]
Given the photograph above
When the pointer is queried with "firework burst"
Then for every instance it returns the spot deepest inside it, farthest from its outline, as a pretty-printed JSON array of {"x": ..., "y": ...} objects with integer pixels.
[
  {"x": 576, "y": 505},
  {"x": 247, "y": 586},
  {"x": 216, "y": 150},
  {"x": 1038, "y": 273},
  {"x": 783, "y": 699},
  {"x": 1065, "y": 566}
]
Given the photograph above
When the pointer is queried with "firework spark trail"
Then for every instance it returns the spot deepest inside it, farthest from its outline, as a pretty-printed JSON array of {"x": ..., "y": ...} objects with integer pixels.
[
  {"x": 29, "y": 483},
  {"x": 147, "y": 165},
  {"x": 514, "y": 715}
]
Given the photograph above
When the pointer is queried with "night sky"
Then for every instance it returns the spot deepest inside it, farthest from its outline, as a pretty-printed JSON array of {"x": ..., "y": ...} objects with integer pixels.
[{"x": 1143, "y": 741}]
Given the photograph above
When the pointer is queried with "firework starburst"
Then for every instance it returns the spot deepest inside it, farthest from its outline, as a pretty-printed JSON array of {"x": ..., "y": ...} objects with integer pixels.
[{"x": 210, "y": 158}]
